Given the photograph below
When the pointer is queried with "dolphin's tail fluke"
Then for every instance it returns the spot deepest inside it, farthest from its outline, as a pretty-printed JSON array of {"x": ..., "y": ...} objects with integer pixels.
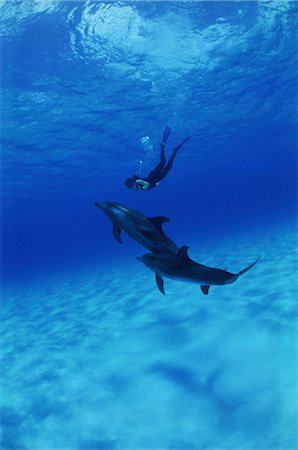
[{"x": 247, "y": 268}]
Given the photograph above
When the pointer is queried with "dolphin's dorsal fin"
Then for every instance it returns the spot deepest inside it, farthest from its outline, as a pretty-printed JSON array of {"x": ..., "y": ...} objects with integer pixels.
[
  {"x": 117, "y": 233},
  {"x": 158, "y": 221},
  {"x": 205, "y": 289},
  {"x": 182, "y": 252},
  {"x": 159, "y": 282}
]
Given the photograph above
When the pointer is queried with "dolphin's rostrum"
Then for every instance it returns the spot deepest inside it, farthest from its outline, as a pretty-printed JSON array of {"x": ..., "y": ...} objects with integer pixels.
[
  {"x": 180, "y": 267},
  {"x": 145, "y": 230}
]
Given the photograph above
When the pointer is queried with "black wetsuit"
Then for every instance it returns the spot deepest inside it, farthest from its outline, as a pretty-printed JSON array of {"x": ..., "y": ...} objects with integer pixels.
[{"x": 160, "y": 171}]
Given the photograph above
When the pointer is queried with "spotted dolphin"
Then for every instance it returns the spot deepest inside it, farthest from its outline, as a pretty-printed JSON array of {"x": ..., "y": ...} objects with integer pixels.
[
  {"x": 181, "y": 267},
  {"x": 147, "y": 231}
]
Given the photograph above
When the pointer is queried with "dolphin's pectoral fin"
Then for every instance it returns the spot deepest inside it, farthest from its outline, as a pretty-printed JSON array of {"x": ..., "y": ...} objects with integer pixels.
[
  {"x": 158, "y": 221},
  {"x": 205, "y": 289},
  {"x": 159, "y": 282},
  {"x": 117, "y": 234},
  {"x": 182, "y": 252}
]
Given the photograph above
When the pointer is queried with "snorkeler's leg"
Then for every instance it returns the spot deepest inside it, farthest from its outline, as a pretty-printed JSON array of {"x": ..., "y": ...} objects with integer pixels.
[
  {"x": 154, "y": 174},
  {"x": 162, "y": 156},
  {"x": 163, "y": 171},
  {"x": 162, "y": 161},
  {"x": 168, "y": 167}
]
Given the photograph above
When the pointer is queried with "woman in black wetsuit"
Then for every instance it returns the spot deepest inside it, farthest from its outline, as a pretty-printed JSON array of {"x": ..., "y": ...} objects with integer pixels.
[{"x": 159, "y": 172}]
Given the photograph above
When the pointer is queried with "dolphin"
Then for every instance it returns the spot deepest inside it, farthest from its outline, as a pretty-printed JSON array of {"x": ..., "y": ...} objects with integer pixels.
[
  {"x": 180, "y": 267},
  {"x": 147, "y": 231}
]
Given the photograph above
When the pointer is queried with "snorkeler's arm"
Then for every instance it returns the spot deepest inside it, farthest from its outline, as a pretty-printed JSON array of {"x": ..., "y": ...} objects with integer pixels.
[{"x": 144, "y": 185}]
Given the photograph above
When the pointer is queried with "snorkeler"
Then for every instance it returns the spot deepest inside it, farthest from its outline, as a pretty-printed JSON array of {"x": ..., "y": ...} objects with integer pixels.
[{"x": 159, "y": 172}]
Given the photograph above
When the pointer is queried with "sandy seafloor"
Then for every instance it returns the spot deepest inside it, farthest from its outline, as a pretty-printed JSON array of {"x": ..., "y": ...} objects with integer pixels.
[{"x": 101, "y": 360}]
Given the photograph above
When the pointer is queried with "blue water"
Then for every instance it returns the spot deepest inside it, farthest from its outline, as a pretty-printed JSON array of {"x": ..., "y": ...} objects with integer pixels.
[{"x": 94, "y": 357}]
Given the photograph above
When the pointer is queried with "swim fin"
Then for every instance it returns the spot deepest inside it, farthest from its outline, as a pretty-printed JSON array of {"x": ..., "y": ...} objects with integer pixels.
[
  {"x": 183, "y": 142},
  {"x": 165, "y": 136}
]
